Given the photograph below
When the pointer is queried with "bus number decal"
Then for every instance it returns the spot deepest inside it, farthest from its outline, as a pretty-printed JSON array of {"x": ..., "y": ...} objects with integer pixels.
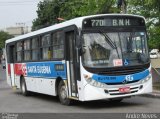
[{"x": 97, "y": 22}]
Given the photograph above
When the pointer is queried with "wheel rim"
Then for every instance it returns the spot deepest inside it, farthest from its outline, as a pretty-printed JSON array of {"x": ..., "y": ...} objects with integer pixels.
[{"x": 63, "y": 92}]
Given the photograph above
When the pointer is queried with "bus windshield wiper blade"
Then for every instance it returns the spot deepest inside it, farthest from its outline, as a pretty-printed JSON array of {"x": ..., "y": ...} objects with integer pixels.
[{"x": 110, "y": 42}]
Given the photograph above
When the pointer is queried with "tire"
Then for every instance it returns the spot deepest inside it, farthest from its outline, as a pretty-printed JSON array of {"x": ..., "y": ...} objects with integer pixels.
[
  {"x": 62, "y": 94},
  {"x": 23, "y": 87}
]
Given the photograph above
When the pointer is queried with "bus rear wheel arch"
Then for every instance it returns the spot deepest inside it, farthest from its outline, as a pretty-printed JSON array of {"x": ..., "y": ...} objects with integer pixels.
[{"x": 23, "y": 86}]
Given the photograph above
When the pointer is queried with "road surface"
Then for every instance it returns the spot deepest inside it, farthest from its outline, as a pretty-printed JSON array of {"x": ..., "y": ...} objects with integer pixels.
[{"x": 12, "y": 101}]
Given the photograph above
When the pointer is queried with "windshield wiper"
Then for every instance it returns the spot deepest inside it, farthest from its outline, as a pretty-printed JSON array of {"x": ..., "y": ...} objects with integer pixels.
[{"x": 110, "y": 42}]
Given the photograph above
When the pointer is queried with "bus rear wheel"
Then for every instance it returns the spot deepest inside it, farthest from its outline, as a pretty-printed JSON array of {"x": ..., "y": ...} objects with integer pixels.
[
  {"x": 23, "y": 87},
  {"x": 62, "y": 93}
]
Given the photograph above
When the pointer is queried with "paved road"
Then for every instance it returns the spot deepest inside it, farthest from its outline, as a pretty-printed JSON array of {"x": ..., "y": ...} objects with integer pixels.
[{"x": 12, "y": 101}]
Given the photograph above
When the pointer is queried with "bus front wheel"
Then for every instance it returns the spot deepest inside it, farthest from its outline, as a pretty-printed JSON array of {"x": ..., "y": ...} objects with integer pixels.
[
  {"x": 62, "y": 93},
  {"x": 23, "y": 87}
]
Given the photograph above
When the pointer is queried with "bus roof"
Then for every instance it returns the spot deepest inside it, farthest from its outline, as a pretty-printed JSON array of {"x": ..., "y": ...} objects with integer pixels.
[{"x": 75, "y": 21}]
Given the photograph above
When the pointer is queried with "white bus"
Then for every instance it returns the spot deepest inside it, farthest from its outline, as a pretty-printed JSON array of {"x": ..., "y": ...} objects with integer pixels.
[{"x": 87, "y": 58}]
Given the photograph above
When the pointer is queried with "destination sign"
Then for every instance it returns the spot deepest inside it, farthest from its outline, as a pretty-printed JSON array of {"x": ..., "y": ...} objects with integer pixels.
[{"x": 113, "y": 21}]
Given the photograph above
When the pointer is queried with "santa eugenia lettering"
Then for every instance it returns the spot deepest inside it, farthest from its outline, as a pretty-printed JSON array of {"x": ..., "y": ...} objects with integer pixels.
[{"x": 39, "y": 69}]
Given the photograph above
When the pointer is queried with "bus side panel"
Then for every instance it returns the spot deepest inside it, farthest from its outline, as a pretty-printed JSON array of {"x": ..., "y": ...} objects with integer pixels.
[
  {"x": 12, "y": 75},
  {"x": 17, "y": 81},
  {"x": 8, "y": 74},
  {"x": 31, "y": 84},
  {"x": 40, "y": 77},
  {"x": 19, "y": 70},
  {"x": 46, "y": 86},
  {"x": 41, "y": 85}
]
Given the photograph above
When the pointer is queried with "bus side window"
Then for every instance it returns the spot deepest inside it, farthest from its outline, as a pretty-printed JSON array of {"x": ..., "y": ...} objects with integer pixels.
[
  {"x": 27, "y": 50},
  {"x": 19, "y": 51},
  {"x": 58, "y": 45},
  {"x": 35, "y": 48},
  {"x": 45, "y": 47}
]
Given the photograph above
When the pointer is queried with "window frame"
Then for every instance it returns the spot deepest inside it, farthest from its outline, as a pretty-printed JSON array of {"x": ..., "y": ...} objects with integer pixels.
[
  {"x": 19, "y": 51},
  {"x": 44, "y": 47},
  {"x": 27, "y": 50},
  {"x": 39, "y": 47},
  {"x": 61, "y": 32},
  {"x": 35, "y": 48}
]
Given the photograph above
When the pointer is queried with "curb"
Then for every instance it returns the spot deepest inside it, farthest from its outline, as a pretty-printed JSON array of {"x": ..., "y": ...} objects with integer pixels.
[{"x": 152, "y": 95}]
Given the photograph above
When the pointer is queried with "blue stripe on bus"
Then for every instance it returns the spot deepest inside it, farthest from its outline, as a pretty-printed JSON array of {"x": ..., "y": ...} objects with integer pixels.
[
  {"x": 120, "y": 79},
  {"x": 46, "y": 69}
]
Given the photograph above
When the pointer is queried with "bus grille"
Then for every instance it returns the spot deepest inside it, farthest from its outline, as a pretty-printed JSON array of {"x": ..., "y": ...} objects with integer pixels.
[
  {"x": 122, "y": 83},
  {"x": 116, "y": 92},
  {"x": 122, "y": 72}
]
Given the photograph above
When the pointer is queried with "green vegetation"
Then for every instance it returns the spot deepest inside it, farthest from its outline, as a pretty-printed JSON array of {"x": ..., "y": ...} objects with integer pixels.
[
  {"x": 150, "y": 9},
  {"x": 3, "y": 37},
  {"x": 49, "y": 10}
]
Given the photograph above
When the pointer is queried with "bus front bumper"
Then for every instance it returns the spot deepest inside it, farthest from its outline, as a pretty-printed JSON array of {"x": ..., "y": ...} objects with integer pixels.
[{"x": 95, "y": 93}]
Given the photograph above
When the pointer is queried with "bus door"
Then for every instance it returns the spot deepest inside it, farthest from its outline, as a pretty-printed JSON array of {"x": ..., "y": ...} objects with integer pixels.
[
  {"x": 11, "y": 63},
  {"x": 72, "y": 67}
]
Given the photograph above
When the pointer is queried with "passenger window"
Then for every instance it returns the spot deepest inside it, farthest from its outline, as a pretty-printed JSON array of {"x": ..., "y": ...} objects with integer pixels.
[
  {"x": 58, "y": 45},
  {"x": 27, "y": 50},
  {"x": 19, "y": 51},
  {"x": 45, "y": 47},
  {"x": 35, "y": 49}
]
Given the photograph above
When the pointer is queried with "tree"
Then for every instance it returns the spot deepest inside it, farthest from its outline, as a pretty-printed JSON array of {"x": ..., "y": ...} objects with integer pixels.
[
  {"x": 3, "y": 37},
  {"x": 150, "y": 9},
  {"x": 49, "y": 10},
  {"x": 86, "y": 7},
  {"x": 154, "y": 40}
]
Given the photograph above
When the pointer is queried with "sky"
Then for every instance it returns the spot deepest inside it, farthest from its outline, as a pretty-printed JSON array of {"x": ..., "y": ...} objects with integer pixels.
[{"x": 17, "y": 11}]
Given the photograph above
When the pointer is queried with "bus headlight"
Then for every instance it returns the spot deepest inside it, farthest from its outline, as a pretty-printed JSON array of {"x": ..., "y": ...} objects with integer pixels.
[
  {"x": 93, "y": 82},
  {"x": 146, "y": 79}
]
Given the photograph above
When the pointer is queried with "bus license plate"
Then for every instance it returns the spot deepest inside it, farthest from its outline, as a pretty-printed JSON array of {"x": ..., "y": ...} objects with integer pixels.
[{"x": 124, "y": 90}]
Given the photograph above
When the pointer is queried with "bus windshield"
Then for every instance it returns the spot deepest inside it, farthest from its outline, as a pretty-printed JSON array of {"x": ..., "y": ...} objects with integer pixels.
[{"x": 114, "y": 49}]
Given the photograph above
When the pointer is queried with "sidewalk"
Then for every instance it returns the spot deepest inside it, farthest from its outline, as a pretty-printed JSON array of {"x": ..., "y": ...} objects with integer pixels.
[{"x": 154, "y": 94}]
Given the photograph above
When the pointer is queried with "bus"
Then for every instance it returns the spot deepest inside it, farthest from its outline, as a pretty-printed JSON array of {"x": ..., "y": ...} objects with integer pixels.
[{"x": 87, "y": 58}]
